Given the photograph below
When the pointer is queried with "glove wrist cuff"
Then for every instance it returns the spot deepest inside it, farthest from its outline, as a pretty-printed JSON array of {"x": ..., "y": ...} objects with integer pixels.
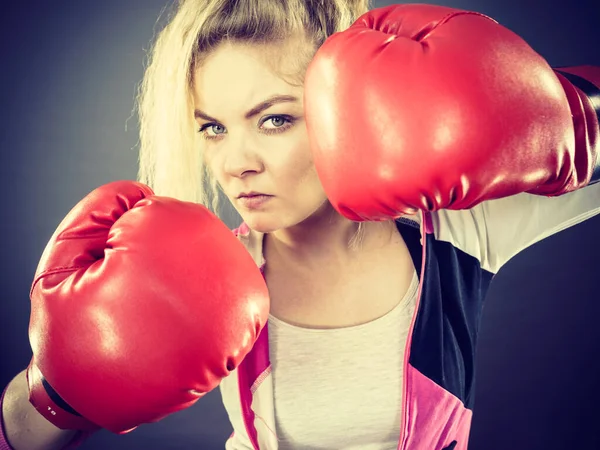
[{"x": 53, "y": 408}]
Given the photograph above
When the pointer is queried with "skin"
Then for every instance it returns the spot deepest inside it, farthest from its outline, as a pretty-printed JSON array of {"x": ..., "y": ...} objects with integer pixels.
[{"x": 268, "y": 152}]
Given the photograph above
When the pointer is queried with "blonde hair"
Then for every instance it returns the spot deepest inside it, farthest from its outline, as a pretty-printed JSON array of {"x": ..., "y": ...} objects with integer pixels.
[{"x": 170, "y": 155}]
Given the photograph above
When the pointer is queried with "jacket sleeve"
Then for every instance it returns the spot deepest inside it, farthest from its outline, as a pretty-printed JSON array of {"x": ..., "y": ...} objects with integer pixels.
[{"x": 496, "y": 230}]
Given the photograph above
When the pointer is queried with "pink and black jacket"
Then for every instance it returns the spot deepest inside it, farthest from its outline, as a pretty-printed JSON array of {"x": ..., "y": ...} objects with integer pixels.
[{"x": 456, "y": 254}]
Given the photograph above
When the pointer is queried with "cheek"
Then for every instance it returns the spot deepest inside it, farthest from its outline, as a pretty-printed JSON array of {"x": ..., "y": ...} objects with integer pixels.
[
  {"x": 214, "y": 165},
  {"x": 297, "y": 173}
]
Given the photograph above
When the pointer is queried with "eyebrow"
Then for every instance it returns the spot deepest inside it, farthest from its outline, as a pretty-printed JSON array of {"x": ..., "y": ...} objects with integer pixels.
[{"x": 265, "y": 104}]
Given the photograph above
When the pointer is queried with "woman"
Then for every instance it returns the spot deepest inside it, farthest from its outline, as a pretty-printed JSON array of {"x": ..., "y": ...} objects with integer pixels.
[{"x": 369, "y": 322}]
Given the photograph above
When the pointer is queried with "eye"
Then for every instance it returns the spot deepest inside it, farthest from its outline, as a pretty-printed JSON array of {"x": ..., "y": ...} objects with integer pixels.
[
  {"x": 212, "y": 130},
  {"x": 278, "y": 124},
  {"x": 276, "y": 121}
]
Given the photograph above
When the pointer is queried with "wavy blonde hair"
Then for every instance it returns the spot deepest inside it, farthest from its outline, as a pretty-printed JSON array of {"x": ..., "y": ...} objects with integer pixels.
[{"x": 170, "y": 155}]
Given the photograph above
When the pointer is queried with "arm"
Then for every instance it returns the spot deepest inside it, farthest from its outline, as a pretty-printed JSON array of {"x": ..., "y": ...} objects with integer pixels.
[
  {"x": 496, "y": 230},
  {"x": 23, "y": 427},
  {"x": 117, "y": 266}
]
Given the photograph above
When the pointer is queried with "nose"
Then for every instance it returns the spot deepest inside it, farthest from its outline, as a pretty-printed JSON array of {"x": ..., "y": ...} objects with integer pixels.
[{"x": 242, "y": 157}]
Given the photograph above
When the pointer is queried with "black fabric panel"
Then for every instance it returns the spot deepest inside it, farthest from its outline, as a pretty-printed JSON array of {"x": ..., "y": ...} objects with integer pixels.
[{"x": 445, "y": 334}]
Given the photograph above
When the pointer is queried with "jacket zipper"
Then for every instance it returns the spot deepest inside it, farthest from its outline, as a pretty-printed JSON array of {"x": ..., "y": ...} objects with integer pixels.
[
  {"x": 403, "y": 434},
  {"x": 245, "y": 417}
]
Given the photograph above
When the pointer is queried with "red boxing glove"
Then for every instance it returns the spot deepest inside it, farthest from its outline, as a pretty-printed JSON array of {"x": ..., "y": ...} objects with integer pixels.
[
  {"x": 140, "y": 305},
  {"x": 421, "y": 107}
]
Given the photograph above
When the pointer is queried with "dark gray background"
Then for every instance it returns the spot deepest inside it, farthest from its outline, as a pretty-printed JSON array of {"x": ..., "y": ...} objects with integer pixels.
[{"x": 67, "y": 82}]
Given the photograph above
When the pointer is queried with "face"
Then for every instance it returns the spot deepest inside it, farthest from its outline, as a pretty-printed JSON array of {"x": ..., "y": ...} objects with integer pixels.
[{"x": 254, "y": 135}]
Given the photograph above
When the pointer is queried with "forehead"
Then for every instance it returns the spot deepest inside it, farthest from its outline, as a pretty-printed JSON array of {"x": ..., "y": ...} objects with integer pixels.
[{"x": 239, "y": 75}]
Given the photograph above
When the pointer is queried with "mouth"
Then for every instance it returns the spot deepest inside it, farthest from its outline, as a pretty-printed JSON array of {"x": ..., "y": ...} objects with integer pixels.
[
  {"x": 254, "y": 200},
  {"x": 252, "y": 195}
]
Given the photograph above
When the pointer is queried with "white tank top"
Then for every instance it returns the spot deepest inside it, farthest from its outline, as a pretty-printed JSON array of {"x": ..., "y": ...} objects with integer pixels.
[{"x": 341, "y": 388}]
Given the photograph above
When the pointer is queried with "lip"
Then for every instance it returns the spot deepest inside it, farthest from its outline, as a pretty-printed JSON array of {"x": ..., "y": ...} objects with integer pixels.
[
  {"x": 254, "y": 200},
  {"x": 250, "y": 194}
]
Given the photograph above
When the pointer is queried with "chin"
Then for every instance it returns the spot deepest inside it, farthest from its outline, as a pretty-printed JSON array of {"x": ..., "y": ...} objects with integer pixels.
[
  {"x": 263, "y": 223},
  {"x": 276, "y": 219}
]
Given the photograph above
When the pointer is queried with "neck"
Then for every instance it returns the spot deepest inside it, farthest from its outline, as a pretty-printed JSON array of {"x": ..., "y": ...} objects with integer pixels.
[{"x": 326, "y": 236}]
